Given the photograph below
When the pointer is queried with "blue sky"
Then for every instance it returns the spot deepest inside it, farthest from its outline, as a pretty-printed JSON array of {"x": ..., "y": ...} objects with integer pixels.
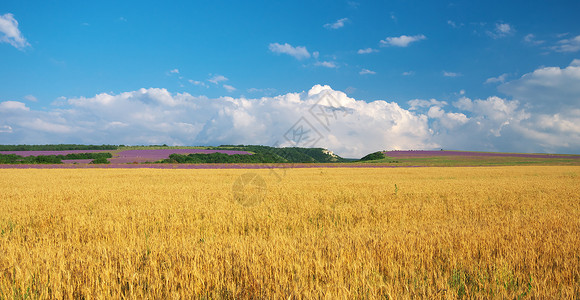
[{"x": 56, "y": 57}]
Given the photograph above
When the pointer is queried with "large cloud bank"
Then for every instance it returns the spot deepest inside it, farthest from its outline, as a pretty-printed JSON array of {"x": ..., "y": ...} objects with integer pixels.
[{"x": 320, "y": 117}]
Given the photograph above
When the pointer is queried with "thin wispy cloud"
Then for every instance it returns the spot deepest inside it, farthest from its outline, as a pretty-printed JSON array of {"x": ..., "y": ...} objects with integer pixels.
[
  {"x": 454, "y": 24},
  {"x": 326, "y": 64},
  {"x": 5, "y": 129},
  {"x": 266, "y": 91},
  {"x": 367, "y": 72},
  {"x": 217, "y": 79},
  {"x": 366, "y": 51},
  {"x": 451, "y": 74},
  {"x": 531, "y": 39},
  {"x": 229, "y": 88},
  {"x": 30, "y": 98},
  {"x": 198, "y": 83},
  {"x": 336, "y": 25},
  {"x": 501, "y": 30},
  {"x": 353, "y": 4},
  {"x": 568, "y": 45}
]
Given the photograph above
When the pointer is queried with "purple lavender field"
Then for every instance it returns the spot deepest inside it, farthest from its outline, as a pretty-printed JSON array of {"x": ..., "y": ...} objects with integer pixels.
[
  {"x": 196, "y": 166},
  {"x": 140, "y": 156},
  {"x": 138, "y": 159},
  {"x": 76, "y": 161},
  {"x": 125, "y": 156},
  {"x": 472, "y": 158},
  {"x": 62, "y": 152},
  {"x": 421, "y": 153}
]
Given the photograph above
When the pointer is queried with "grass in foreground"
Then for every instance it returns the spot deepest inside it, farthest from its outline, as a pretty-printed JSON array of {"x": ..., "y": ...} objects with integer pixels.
[{"x": 501, "y": 232}]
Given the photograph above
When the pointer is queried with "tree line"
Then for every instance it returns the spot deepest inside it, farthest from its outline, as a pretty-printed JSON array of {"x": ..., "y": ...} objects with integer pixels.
[
  {"x": 98, "y": 158},
  {"x": 260, "y": 154},
  {"x": 56, "y": 147}
]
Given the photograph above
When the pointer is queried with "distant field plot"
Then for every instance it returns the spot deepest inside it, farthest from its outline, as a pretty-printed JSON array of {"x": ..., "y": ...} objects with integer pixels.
[
  {"x": 467, "y": 158},
  {"x": 76, "y": 161},
  {"x": 57, "y": 152},
  {"x": 125, "y": 155},
  {"x": 153, "y": 155},
  {"x": 168, "y": 157},
  {"x": 436, "y": 233}
]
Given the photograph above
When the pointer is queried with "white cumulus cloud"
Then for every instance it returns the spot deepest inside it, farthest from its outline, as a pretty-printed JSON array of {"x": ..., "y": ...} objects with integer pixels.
[
  {"x": 13, "y": 105},
  {"x": 448, "y": 120},
  {"x": 9, "y": 32},
  {"x": 504, "y": 28},
  {"x": 401, "y": 41},
  {"x": 501, "y": 78},
  {"x": 548, "y": 88},
  {"x": 298, "y": 52},
  {"x": 319, "y": 117},
  {"x": 151, "y": 116},
  {"x": 420, "y": 103}
]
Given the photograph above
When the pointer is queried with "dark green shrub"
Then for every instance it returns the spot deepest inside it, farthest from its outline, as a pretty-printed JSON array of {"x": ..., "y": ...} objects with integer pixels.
[
  {"x": 374, "y": 156},
  {"x": 100, "y": 160}
]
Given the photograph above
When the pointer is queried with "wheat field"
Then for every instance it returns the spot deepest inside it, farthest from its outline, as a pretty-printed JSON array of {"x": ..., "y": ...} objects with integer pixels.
[{"x": 334, "y": 233}]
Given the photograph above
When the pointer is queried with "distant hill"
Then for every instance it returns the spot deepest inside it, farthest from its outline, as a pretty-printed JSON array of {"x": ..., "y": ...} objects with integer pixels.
[
  {"x": 266, "y": 154},
  {"x": 466, "y": 158},
  {"x": 260, "y": 154}
]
